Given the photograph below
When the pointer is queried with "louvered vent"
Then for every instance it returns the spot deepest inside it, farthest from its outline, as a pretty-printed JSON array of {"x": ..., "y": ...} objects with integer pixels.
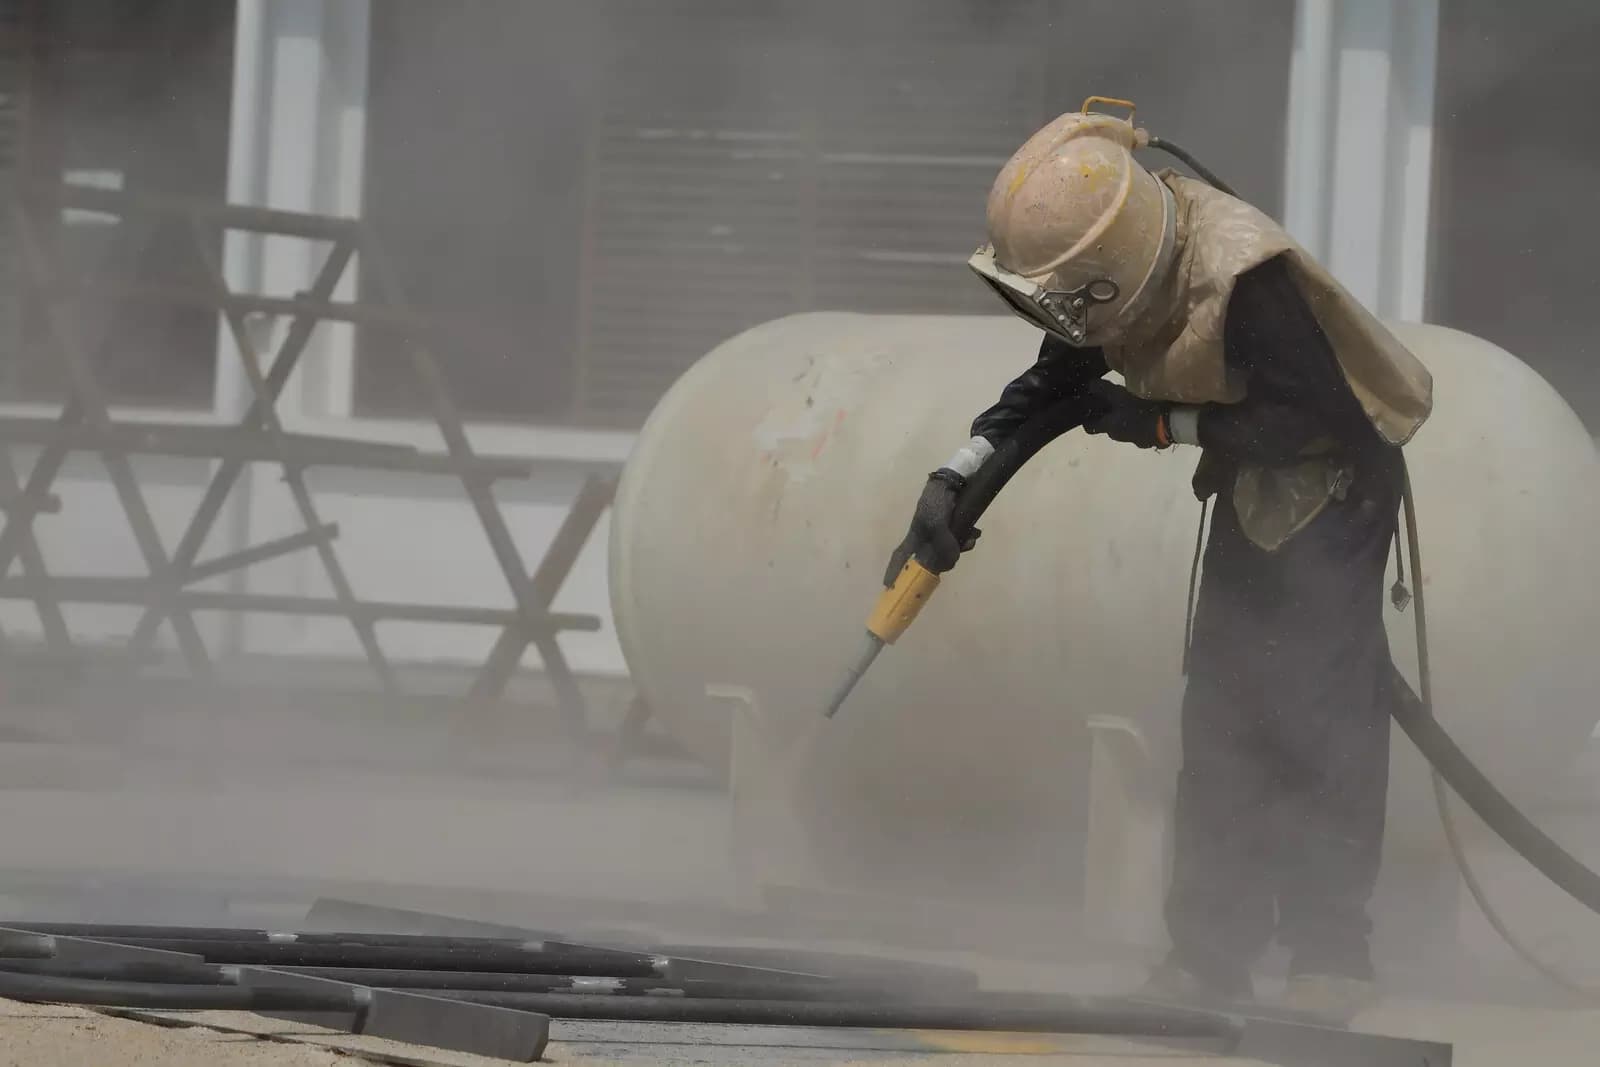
[{"x": 750, "y": 161}]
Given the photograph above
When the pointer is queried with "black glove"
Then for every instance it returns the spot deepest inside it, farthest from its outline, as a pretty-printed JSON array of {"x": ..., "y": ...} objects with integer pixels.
[
  {"x": 930, "y": 538},
  {"x": 1124, "y": 417}
]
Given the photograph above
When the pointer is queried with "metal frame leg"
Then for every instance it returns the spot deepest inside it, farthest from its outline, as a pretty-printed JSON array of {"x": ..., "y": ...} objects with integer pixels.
[
  {"x": 17, "y": 534},
  {"x": 293, "y": 474},
  {"x": 530, "y": 604},
  {"x": 57, "y": 638},
  {"x": 228, "y": 470},
  {"x": 584, "y": 514},
  {"x": 86, "y": 390}
]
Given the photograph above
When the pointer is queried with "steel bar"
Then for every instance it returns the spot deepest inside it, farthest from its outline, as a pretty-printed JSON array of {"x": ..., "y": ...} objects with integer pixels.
[
  {"x": 487, "y": 1030},
  {"x": 835, "y": 966},
  {"x": 179, "y": 439},
  {"x": 272, "y": 427},
  {"x": 48, "y": 464},
  {"x": 122, "y": 931},
  {"x": 356, "y": 314},
  {"x": 94, "y": 589},
  {"x": 1291, "y": 1044},
  {"x": 481, "y": 494},
  {"x": 40, "y": 478},
  {"x": 684, "y": 968},
  {"x": 267, "y": 550},
  {"x": 440, "y": 982},
  {"x": 248, "y": 446},
  {"x": 52, "y": 623},
  {"x": 594, "y": 496},
  {"x": 26, "y": 944},
  {"x": 491, "y": 957},
  {"x": 86, "y": 391},
  {"x": 674, "y": 968},
  {"x": 229, "y": 216},
  {"x": 506, "y": 1012},
  {"x": 397, "y": 1015},
  {"x": 1060, "y": 1015},
  {"x": 111, "y": 970},
  {"x": 334, "y": 913},
  {"x": 431, "y": 982},
  {"x": 170, "y": 996},
  {"x": 20, "y": 945},
  {"x": 18, "y": 503},
  {"x": 228, "y": 471}
]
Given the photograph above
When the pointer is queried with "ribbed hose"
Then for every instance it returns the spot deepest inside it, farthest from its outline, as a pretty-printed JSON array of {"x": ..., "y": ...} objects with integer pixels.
[
  {"x": 1192, "y": 163},
  {"x": 1450, "y": 765},
  {"x": 1010, "y": 455}
]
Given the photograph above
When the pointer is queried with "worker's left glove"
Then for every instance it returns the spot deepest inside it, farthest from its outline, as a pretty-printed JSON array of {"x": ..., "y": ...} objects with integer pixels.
[
  {"x": 930, "y": 538},
  {"x": 1124, "y": 417}
]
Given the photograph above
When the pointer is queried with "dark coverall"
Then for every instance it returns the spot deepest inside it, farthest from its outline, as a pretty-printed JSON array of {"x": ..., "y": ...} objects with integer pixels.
[{"x": 1280, "y": 805}]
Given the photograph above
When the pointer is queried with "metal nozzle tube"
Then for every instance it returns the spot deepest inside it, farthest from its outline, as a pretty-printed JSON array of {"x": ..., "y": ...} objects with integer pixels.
[{"x": 870, "y": 653}]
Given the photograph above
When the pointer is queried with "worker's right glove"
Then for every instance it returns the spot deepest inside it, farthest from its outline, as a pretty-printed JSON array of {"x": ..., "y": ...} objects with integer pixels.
[
  {"x": 930, "y": 539},
  {"x": 1128, "y": 418}
]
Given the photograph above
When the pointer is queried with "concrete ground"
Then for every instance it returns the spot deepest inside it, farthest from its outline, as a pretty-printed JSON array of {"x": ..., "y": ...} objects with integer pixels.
[
  {"x": 57, "y": 1036},
  {"x": 243, "y": 813}
]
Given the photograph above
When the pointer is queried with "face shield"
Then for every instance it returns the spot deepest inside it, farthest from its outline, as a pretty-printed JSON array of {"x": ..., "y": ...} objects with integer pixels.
[{"x": 1064, "y": 314}]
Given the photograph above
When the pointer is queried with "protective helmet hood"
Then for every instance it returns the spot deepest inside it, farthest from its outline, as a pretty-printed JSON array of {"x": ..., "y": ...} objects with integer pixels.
[{"x": 1080, "y": 235}]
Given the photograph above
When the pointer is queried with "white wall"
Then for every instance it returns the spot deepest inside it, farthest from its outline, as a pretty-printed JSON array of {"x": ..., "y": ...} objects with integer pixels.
[
  {"x": 1357, "y": 195},
  {"x": 1359, "y": 160}
]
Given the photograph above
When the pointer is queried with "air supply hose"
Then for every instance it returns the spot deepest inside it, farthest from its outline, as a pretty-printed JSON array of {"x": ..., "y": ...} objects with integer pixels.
[
  {"x": 1414, "y": 714},
  {"x": 1192, "y": 163},
  {"x": 1009, "y": 456}
]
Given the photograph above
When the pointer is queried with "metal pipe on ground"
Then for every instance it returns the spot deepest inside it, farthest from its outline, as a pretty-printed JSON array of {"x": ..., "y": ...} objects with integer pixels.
[
  {"x": 437, "y": 982},
  {"x": 1057, "y": 1015},
  {"x": 448, "y": 1023},
  {"x": 172, "y": 996},
  {"x": 125, "y": 931},
  {"x": 501, "y": 958},
  {"x": 279, "y": 948}
]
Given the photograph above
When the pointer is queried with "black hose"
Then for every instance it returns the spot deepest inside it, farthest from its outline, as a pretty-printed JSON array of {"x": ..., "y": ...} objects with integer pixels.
[
  {"x": 1451, "y": 766},
  {"x": 1010, "y": 455},
  {"x": 1491, "y": 805},
  {"x": 1192, "y": 163}
]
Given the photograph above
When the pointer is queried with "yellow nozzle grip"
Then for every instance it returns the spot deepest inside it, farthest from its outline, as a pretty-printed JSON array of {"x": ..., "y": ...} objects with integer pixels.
[{"x": 898, "y": 605}]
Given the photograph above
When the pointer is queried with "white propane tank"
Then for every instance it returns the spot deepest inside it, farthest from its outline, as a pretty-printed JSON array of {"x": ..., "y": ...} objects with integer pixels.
[{"x": 768, "y": 487}]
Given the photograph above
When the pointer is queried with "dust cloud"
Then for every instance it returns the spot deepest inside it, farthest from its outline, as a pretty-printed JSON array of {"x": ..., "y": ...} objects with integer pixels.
[{"x": 587, "y": 198}]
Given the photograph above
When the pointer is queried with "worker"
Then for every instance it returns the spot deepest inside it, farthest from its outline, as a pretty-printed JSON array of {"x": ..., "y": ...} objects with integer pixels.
[{"x": 1228, "y": 338}]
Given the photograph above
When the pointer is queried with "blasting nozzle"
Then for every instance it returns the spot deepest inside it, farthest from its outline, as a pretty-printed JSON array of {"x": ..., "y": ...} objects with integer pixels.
[{"x": 894, "y": 613}]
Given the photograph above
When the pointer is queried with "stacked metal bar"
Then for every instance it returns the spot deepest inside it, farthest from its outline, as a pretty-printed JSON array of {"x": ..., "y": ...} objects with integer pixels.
[{"x": 496, "y": 996}]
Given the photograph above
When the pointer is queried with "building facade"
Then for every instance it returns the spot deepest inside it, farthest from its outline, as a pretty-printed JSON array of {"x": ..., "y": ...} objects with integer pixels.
[{"x": 605, "y": 190}]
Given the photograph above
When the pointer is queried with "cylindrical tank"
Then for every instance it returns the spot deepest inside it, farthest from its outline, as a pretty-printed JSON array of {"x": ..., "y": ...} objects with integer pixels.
[{"x": 755, "y": 517}]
